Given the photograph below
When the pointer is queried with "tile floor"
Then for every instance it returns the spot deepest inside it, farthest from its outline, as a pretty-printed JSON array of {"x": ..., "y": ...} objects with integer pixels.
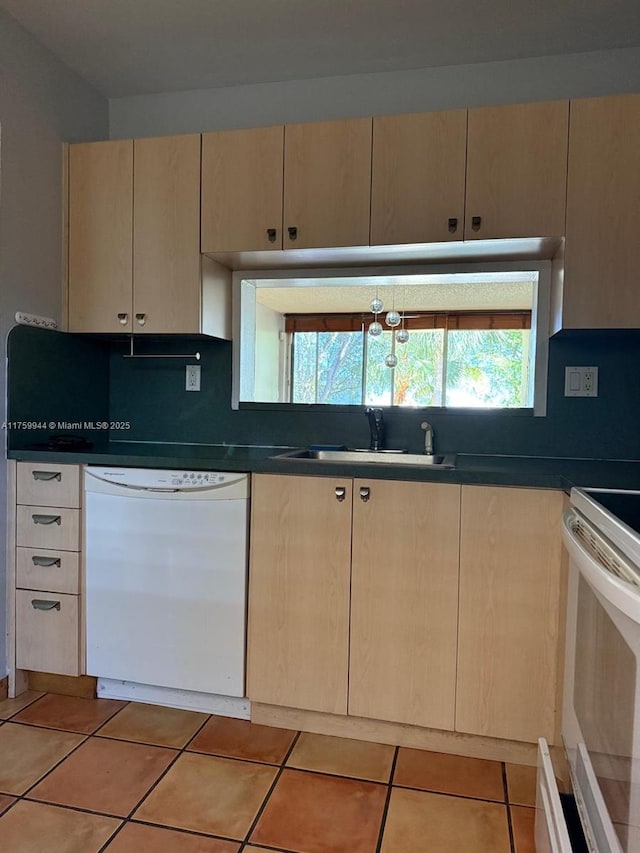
[{"x": 84, "y": 775}]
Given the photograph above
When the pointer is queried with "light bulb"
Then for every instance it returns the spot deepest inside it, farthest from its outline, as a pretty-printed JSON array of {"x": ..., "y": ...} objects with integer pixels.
[
  {"x": 375, "y": 329},
  {"x": 391, "y": 360},
  {"x": 402, "y": 336},
  {"x": 376, "y": 305},
  {"x": 393, "y": 319}
]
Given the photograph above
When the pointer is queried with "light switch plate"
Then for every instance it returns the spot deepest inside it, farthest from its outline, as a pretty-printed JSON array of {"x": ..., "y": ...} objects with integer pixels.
[{"x": 581, "y": 382}]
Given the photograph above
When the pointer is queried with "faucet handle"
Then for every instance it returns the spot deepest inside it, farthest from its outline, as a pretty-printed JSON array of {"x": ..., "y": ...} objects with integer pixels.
[{"x": 428, "y": 437}]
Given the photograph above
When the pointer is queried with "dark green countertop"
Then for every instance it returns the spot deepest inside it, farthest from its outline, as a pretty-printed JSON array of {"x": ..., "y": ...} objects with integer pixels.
[{"x": 540, "y": 472}]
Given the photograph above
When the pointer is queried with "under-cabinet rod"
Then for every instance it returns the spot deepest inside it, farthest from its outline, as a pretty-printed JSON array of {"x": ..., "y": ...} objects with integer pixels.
[{"x": 132, "y": 354}]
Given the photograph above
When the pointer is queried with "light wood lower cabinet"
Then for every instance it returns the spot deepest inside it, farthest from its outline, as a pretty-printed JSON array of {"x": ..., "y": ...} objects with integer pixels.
[
  {"x": 298, "y": 638},
  {"x": 47, "y": 569},
  {"x": 438, "y": 605},
  {"x": 404, "y": 602},
  {"x": 510, "y": 612}
]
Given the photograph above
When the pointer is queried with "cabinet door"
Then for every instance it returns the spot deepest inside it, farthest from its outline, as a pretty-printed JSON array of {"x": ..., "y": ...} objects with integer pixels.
[
  {"x": 404, "y": 602},
  {"x": 517, "y": 171},
  {"x": 100, "y": 236},
  {"x": 327, "y": 184},
  {"x": 602, "y": 252},
  {"x": 418, "y": 175},
  {"x": 166, "y": 235},
  {"x": 510, "y": 592},
  {"x": 299, "y": 592},
  {"x": 242, "y": 175}
]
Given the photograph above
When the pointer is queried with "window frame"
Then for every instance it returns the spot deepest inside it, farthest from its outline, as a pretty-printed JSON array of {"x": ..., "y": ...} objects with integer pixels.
[{"x": 246, "y": 282}]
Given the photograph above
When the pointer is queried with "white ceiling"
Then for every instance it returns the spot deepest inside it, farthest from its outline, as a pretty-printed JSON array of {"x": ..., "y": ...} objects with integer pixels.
[{"x": 128, "y": 47}]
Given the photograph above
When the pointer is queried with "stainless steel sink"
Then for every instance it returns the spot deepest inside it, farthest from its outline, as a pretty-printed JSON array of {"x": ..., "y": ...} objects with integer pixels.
[{"x": 357, "y": 456}]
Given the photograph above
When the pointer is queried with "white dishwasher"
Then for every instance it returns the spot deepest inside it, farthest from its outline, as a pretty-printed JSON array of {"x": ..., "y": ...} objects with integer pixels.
[{"x": 166, "y": 579}]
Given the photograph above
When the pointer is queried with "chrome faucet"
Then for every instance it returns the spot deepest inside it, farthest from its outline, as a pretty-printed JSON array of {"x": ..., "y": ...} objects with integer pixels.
[
  {"x": 376, "y": 426},
  {"x": 428, "y": 437}
]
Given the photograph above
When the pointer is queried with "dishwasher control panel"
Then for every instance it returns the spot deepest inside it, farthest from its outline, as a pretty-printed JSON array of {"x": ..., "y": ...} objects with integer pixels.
[{"x": 159, "y": 480}]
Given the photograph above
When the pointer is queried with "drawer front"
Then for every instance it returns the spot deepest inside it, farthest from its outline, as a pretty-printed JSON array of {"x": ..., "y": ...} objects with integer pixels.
[
  {"x": 48, "y": 527},
  {"x": 45, "y": 484},
  {"x": 51, "y": 571},
  {"x": 47, "y": 634}
]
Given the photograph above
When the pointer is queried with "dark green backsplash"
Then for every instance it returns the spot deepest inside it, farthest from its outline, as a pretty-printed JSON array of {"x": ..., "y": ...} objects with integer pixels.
[{"x": 89, "y": 377}]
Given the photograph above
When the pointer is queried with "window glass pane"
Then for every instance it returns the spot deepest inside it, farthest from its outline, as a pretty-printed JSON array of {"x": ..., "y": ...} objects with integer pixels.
[
  {"x": 378, "y": 376},
  {"x": 340, "y": 368},
  {"x": 418, "y": 379},
  {"x": 303, "y": 380},
  {"x": 488, "y": 368}
]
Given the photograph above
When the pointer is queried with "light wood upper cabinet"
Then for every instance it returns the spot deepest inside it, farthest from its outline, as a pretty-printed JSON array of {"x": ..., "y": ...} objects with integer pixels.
[
  {"x": 299, "y": 592},
  {"x": 242, "y": 178},
  {"x": 404, "y": 602},
  {"x": 327, "y": 184},
  {"x": 418, "y": 177},
  {"x": 510, "y": 612},
  {"x": 602, "y": 251},
  {"x": 100, "y": 236},
  {"x": 166, "y": 228},
  {"x": 516, "y": 171}
]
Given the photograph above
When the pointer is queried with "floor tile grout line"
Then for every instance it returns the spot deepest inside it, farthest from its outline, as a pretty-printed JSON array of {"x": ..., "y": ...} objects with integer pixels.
[
  {"x": 260, "y": 812},
  {"x": 85, "y": 738},
  {"x": 451, "y": 794},
  {"x": 505, "y": 785},
  {"x": 387, "y": 803},
  {"x": 336, "y": 775},
  {"x": 24, "y": 707}
]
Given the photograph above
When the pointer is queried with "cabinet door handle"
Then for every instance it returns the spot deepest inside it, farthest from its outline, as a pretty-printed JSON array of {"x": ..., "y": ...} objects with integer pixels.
[
  {"x": 47, "y": 475},
  {"x": 365, "y": 493},
  {"x": 123, "y": 319},
  {"x": 47, "y": 562},
  {"x": 293, "y": 233},
  {"x": 141, "y": 319},
  {"x": 44, "y": 604},
  {"x": 476, "y": 222},
  {"x": 340, "y": 493},
  {"x": 272, "y": 233},
  {"x": 453, "y": 224},
  {"x": 47, "y": 519}
]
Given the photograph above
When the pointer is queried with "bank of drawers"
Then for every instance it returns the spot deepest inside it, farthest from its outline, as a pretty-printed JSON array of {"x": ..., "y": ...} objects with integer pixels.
[{"x": 48, "y": 539}]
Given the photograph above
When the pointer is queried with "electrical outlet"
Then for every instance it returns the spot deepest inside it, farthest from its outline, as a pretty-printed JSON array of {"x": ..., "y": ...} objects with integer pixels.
[
  {"x": 581, "y": 382},
  {"x": 193, "y": 377}
]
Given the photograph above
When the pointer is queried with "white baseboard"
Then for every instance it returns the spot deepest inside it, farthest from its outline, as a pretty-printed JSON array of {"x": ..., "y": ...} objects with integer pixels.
[{"x": 187, "y": 700}]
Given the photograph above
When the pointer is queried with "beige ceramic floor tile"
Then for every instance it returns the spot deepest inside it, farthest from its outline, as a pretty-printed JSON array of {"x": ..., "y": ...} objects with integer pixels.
[
  {"x": 521, "y": 784},
  {"x": 28, "y": 753},
  {"x": 343, "y": 757},
  {"x": 138, "y": 838},
  {"x": 418, "y": 821},
  {"x": 105, "y": 776},
  {"x": 9, "y": 707},
  {"x": 523, "y": 823},
  {"x": 70, "y": 713},
  {"x": 154, "y": 724},
  {"x": 37, "y": 828},
  {"x": 449, "y": 774},
  {"x": 208, "y": 794}
]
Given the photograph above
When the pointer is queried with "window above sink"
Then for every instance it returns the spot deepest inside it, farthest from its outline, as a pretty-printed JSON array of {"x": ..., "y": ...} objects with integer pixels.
[{"x": 471, "y": 337}]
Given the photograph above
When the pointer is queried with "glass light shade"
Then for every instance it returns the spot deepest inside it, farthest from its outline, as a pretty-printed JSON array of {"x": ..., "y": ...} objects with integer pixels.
[
  {"x": 391, "y": 360},
  {"x": 393, "y": 319},
  {"x": 375, "y": 329},
  {"x": 376, "y": 305},
  {"x": 402, "y": 336}
]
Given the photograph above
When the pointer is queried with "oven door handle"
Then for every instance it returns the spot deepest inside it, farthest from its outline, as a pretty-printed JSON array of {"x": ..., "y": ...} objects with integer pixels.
[{"x": 591, "y": 552}]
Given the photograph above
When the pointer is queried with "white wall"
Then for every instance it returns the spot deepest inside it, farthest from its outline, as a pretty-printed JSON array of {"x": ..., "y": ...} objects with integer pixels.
[
  {"x": 516, "y": 81},
  {"x": 42, "y": 103},
  {"x": 268, "y": 366}
]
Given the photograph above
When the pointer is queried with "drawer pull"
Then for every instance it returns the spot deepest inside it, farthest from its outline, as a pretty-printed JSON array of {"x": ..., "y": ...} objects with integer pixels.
[
  {"x": 46, "y": 561},
  {"x": 47, "y": 519},
  {"x": 340, "y": 493},
  {"x": 47, "y": 475},
  {"x": 365, "y": 493},
  {"x": 44, "y": 604}
]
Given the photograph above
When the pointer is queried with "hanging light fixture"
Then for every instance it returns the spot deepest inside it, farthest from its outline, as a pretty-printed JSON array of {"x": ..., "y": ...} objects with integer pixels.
[
  {"x": 402, "y": 335},
  {"x": 375, "y": 328},
  {"x": 393, "y": 320}
]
